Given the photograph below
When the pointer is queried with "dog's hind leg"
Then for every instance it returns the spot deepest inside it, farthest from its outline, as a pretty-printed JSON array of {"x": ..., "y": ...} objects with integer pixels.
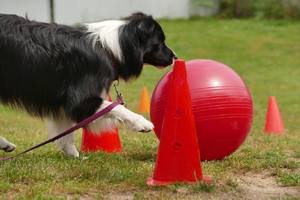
[
  {"x": 66, "y": 143},
  {"x": 6, "y": 145}
]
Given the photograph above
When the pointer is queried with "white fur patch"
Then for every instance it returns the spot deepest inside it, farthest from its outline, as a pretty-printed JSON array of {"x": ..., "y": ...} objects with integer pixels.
[
  {"x": 107, "y": 122},
  {"x": 107, "y": 32},
  {"x": 110, "y": 120},
  {"x": 133, "y": 121}
]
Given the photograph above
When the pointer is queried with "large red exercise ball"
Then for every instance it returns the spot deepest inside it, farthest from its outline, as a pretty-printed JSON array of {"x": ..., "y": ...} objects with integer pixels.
[{"x": 221, "y": 104}]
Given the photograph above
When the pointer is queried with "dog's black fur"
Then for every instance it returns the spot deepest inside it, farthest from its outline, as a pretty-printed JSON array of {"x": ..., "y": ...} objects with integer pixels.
[{"x": 45, "y": 67}]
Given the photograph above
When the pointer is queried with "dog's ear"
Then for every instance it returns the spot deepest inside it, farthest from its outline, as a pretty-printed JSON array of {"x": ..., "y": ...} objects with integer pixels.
[{"x": 146, "y": 25}]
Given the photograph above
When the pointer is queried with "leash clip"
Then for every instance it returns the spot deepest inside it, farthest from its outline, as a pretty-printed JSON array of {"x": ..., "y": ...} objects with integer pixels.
[{"x": 119, "y": 94}]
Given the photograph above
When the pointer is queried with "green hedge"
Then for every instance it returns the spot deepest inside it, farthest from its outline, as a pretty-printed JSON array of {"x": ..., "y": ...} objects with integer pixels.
[{"x": 271, "y": 9}]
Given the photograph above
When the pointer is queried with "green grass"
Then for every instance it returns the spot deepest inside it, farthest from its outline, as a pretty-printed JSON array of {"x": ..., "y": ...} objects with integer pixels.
[{"x": 265, "y": 54}]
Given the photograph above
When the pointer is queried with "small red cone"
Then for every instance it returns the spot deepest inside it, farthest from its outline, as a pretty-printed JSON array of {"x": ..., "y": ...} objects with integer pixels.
[
  {"x": 274, "y": 123},
  {"x": 108, "y": 141},
  {"x": 178, "y": 158}
]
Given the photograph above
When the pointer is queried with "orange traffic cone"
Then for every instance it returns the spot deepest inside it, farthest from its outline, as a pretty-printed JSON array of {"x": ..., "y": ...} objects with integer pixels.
[
  {"x": 108, "y": 141},
  {"x": 178, "y": 157},
  {"x": 144, "y": 106},
  {"x": 274, "y": 123}
]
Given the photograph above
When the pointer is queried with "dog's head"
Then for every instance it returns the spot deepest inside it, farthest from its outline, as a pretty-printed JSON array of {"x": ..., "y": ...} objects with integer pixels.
[
  {"x": 132, "y": 41},
  {"x": 151, "y": 40}
]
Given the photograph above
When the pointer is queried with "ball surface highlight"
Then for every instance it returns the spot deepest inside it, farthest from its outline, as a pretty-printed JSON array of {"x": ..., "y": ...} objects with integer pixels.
[{"x": 221, "y": 104}]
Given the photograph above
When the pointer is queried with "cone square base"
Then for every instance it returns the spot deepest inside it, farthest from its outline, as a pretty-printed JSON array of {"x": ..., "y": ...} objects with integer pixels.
[
  {"x": 267, "y": 132},
  {"x": 152, "y": 182}
]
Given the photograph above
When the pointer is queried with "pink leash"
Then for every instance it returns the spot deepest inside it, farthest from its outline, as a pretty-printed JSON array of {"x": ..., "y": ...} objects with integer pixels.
[{"x": 74, "y": 128}]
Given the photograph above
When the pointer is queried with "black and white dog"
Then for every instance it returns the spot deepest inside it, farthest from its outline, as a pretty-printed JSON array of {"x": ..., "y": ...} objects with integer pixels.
[{"x": 64, "y": 73}]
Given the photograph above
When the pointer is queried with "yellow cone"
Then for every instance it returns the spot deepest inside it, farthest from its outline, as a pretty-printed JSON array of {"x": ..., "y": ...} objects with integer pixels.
[{"x": 144, "y": 106}]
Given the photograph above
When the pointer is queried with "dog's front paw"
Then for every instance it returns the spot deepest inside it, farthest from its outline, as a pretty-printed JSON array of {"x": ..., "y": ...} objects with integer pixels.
[
  {"x": 140, "y": 124},
  {"x": 6, "y": 145}
]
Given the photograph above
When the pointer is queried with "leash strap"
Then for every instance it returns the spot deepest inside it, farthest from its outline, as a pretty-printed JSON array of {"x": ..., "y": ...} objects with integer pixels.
[{"x": 72, "y": 129}]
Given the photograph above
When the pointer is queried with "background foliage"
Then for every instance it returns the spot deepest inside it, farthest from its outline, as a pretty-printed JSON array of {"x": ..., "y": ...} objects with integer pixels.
[{"x": 270, "y": 9}]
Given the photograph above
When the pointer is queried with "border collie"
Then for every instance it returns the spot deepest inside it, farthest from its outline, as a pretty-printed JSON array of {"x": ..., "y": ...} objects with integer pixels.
[{"x": 64, "y": 73}]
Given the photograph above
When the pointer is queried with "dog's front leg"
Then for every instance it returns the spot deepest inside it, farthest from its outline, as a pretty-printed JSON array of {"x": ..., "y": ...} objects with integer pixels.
[{"x": 133, "y": 121}]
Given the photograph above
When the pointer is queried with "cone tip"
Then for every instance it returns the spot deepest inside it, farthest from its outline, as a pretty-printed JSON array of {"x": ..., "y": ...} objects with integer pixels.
[
  {"x": 179, "y": 61},
  {"x": 272, "y": 97},
  {"x": 144, "y": 89}
]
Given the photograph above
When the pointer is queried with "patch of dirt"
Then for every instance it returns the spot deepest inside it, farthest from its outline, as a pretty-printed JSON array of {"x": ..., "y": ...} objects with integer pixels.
[
  {"x": 249, "y": 186},
  {"x": 263, "y": 186},
  {"x": 120, "y": 196}
]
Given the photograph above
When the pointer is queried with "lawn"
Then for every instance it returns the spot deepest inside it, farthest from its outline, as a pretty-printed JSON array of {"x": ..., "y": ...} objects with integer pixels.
[{"x": 266, "y": 54}]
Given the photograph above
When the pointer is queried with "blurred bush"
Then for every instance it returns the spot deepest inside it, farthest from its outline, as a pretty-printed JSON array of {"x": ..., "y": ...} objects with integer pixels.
[{"x": 271, "y": 9}]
